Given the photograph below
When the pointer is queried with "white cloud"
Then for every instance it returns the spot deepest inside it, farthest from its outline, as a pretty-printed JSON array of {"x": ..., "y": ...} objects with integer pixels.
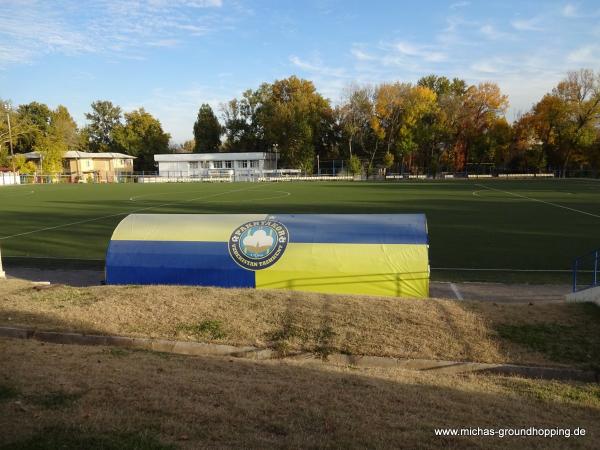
[
  {"x": 586, "y": 56},
  {"x": 532, "y": 24},
  {"x": 423, "y": 52},
  {"x": 316, "y": 67},
  {"x": 485, "y": 67},
  {"x": 491, "y": 32},
  {"x": 121, "y": 28},
  {"x": 570, "y": 10},
  {"x": 259, "y": 239},
  {"x": 461, "y": 4},
  {"x": 361, "y": 55}
]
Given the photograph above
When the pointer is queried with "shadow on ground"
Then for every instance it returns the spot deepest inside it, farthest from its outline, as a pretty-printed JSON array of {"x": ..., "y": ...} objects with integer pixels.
[{"x": 193, "y": 402}]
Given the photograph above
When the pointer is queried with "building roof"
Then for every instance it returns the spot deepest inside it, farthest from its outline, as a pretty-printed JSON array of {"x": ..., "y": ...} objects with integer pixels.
[
  {"x": 183, "y": 157},
  {"x": 75, "y": 154}
]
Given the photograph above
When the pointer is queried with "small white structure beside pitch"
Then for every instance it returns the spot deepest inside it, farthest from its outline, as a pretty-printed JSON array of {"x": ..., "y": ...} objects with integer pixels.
[
  {"x": 9, "y": 178},
  {"x": 2, "y": 273},
  {"x": 585, "y": 295}
]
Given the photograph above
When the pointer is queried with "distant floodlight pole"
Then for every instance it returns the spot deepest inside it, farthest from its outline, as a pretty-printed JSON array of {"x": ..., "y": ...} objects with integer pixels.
[
  {"x": 318, "y": 166},
  {"x": 275, "y": 149},
  {"x": 10, "y": 144}
]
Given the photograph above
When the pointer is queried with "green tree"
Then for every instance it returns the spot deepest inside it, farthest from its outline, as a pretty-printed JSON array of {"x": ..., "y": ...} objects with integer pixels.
[
  {"x": 243, "y": 128},
  {"x": 399, "y": 108},
  {"x": 103, "y": 119},
  {"x": 35, "y": 117},
  {"x": 65, "y": 128},
  {"x": 207, "y": 131},
  {"x": 437, "y": 131},
  {"x": 296, "y": 118},
  {"x": 52, "y": 149},
  {"x": 141, "y": 136},
  {"x": 354, "y": 165},
  {"x": 355, "y": 115}
]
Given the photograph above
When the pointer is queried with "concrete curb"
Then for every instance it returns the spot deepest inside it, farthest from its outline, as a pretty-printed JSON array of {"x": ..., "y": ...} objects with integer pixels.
[{"x": 338, "y": 359}]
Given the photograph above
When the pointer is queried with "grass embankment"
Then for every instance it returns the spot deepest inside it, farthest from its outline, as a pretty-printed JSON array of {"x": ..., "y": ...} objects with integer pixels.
[
  {"x": 544, "y": 334},
  {"x": 71, "y": 397}
]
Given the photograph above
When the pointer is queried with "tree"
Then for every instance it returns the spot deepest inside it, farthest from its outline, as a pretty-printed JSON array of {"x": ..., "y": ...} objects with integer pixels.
[
  {"x": 207, "y": 131},
  {"x": 399, "y": 107},
  {"x": 186, "y": 147},
  {"x": 141, "y": 136},
  {"x": 243, "y": 128},
  {"x": 482, "y": 105},
  {"x": 566, "y": 120},
  {"x": 297, "y": 118},
  {"x": 436, "y": 133},
  {"x": 63, "y": 125},
  {"x": 525, "y": 151},
  {"x": 354, "y": 166},
  {"x": 59, "y": 136},
  {"x": 355, "y": 115},
  {"x": 18, "y": 129},
  {"x": 103, "y": 118},
  {"x": 35, "y": 117}
]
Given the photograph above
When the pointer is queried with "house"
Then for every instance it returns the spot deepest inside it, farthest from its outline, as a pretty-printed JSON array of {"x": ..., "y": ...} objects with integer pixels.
[
  {"x": 83, "y": 166},
  {"x": 245, "y": 166}
]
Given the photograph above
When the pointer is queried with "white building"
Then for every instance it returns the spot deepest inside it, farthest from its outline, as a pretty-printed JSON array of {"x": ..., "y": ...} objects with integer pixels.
[{"x": 246, "y": 166}]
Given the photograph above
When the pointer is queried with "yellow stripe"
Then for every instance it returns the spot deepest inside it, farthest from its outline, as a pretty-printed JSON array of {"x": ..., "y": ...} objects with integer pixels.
[
  {"x": 181, "y": 227},
  {"x": 400, "y": 270}
]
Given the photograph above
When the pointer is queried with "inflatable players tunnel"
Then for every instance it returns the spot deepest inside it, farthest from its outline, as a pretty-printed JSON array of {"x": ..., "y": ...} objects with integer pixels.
[{"x": 373, "y": 254}]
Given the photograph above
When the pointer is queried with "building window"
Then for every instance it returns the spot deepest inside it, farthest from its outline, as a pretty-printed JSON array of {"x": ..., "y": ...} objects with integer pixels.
[
  {"x": 254, "y": 164},
  {"x": 194, "y": 165},
  {"x": 218, "y": 164},
  {"x": 244, "y": 164},
  {"x": 228, "y": 164}
]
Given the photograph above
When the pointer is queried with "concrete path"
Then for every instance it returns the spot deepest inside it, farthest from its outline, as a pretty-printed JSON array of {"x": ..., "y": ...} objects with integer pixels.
[
  {"x": 493, "y": 292},
  {"x": 206, "y": 349},
  {"x": 500, "y": 293},
  {"x": 68, "y": 277}
]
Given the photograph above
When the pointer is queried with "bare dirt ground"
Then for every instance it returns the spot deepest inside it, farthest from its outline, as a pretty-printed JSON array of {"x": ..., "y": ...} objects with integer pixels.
[{"x": 493, "y": 292}]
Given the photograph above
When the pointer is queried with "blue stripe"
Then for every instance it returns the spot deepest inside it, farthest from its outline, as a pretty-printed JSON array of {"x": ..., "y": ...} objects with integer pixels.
[
  {"x": 170, "y": 262},
  {"x": 355, "y": 228}
]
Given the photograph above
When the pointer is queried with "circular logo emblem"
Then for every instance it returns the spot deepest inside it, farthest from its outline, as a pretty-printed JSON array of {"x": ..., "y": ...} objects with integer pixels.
[{"x": 259, "y": 244}]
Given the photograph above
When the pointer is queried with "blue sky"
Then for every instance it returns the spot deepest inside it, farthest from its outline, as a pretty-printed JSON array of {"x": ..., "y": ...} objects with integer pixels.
[{"x": 169, "y": 56}]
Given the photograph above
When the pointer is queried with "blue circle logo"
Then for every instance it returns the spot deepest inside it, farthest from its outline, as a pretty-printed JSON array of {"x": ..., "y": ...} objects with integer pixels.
[{"x": 259, "y": 244}]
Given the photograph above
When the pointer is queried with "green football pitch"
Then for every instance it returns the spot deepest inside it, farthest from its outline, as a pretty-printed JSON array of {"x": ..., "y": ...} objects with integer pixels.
[{"x": 532, "y": 225}]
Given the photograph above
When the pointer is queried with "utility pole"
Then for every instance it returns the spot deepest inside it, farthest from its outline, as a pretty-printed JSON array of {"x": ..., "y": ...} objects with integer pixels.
[
  {"x": 12, "y": 153},
  {"x": 318, "y": 166},
  {"x": 275, "y": 148}
]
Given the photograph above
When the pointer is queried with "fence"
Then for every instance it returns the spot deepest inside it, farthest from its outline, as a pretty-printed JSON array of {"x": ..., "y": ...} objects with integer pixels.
[
  {"x": 585, "y": 271},
  {"x": 262, "y": 176},
  {"x": 9, "y": 178}
]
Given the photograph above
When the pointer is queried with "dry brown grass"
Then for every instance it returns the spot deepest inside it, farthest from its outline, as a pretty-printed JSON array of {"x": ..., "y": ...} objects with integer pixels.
[
  {"x": 203, "y": 402},
  {"x": 403, "y": 328}
]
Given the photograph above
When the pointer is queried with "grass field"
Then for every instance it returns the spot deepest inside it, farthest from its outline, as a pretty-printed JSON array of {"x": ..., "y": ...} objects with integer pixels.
[{"x": 483, "y": 224}]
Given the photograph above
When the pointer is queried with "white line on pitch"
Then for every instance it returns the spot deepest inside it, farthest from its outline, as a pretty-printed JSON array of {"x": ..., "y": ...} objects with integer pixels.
[
  {"x": 540, "y": 201},
  {"x": 456, "y": 291},
  {"x": 122, "y": 213}
]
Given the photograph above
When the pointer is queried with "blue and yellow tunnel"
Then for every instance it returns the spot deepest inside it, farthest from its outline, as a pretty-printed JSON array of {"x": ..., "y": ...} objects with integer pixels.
[{"x": 372, "y": 254}]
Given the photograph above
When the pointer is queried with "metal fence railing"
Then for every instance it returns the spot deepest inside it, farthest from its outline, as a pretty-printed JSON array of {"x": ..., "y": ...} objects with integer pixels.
[{"x": 586, "y": 271}]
